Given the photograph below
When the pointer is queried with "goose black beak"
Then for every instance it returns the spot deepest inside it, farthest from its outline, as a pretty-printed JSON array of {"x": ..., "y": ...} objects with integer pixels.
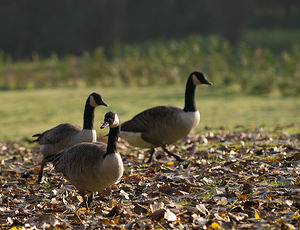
[
  {"x": 105, "y": 124},
  {"x": 207, "y": 82},
  {"x": 103, "y": 103}
]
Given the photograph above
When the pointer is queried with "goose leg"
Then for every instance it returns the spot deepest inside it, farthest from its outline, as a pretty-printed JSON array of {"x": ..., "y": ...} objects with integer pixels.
[
  {"x": 44, "y": 162},
  {"x": 151, "y": 155},
  {"x": 84, "y": 200},
  {"x": 90, "y": 199},
  {"x": 178, "y": 158}
]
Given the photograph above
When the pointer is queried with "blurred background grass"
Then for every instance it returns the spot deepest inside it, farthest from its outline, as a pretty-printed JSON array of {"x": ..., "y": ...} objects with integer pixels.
[{"x": 25, "y": 113}]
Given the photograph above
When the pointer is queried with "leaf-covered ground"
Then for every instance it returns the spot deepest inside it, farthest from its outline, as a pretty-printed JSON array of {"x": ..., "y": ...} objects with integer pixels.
[{"x": 242, "y": 179}]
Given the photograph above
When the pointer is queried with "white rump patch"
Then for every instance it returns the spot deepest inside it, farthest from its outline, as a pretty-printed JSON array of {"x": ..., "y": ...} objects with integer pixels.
[{"x": 135, "y": 139}]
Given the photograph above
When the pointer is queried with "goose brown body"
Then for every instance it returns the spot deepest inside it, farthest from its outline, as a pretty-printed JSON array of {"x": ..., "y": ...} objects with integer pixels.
[
  {"x": 92, "y": 167},
  {"x": 87, "y": 167},
  {"x": 66, "y": 135},
  {"x": 163, "y": 125},
  {"x": 63, "y": 136},
  {"x": 171, "y": 124}
]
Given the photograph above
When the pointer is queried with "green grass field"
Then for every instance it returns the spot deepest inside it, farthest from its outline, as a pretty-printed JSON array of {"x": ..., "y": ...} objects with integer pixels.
[{"x": 27, "y": 112}]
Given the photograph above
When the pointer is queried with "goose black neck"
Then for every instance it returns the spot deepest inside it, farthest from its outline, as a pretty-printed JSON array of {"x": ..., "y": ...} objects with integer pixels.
[
  {"x": 190, "y": 105},
  {"x": 112, "y": 140},
  {"x": 88, "y": 117}
]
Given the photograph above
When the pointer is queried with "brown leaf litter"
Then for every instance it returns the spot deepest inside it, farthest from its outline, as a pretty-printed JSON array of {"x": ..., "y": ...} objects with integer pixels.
[{"x": 240, "y": 179}]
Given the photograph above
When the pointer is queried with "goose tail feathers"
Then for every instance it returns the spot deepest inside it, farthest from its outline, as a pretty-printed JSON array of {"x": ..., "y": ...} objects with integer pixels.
[
  {"x": 53, "y": 158},
  {"x": 38, "y": 135},
  {"x": 50, "y": 158}
]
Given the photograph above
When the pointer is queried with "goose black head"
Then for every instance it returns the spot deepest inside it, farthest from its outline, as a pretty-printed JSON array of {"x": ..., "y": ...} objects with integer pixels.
[
  {"x": 96, "y": 100},
  {"x": 199, "y": 78},
  {"x": 111, "y": 119}
]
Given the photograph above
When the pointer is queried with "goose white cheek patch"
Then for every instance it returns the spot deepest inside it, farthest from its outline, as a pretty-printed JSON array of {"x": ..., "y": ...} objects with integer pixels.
[
  {"x": 116, "y": 122},
  {"x": 93, "y": 102},
  {"x": 195, "y": 80}
]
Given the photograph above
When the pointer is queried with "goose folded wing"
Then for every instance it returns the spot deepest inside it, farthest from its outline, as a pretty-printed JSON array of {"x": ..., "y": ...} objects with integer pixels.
[
  {"x": 56, "y": 134},
  {"x": 79, "y": 159},
  {"x": 150, "y": 118}
]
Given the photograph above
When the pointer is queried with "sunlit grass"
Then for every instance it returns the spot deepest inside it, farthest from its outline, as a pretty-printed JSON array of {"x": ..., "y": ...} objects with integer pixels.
[
  {"x": 276, "y": 183},
  {"x": 24, "y": 113}
]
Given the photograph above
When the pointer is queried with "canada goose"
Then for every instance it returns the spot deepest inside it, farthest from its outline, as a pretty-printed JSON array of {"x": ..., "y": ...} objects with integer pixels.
[
  {"x": 92, "y": 167},
  {"x": 163, "y": 125},
  {"x": 66, "y": 135}
]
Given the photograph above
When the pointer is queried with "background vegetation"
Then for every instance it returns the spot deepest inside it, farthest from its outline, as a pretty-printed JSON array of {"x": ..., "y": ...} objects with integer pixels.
[
  {"x": 253, "y": 69},
  {"x": 132, "y": 49},
  {"x": 74, "y": 27},
  {"x": 248, "y": 46}
]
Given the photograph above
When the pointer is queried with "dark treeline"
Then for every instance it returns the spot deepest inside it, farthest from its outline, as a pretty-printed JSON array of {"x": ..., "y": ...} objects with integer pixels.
[{"x": 74, "y": 26}]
